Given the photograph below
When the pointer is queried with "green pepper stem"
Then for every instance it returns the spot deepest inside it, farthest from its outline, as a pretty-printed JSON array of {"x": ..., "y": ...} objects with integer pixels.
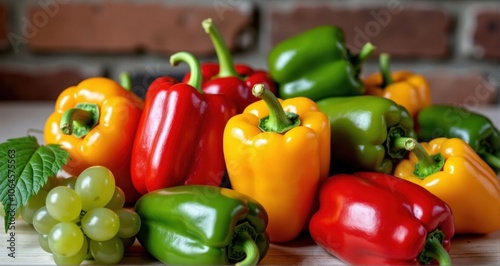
[
  {"x": 438, "y": 252},
  {"x": 194, "y": 67},
  {"x": 278, "y": 120},
  {"x": 384, "y": 69},
  {"x": 395, "y": 143},
  {"x": 365, "y": 52},
  {"x": 490, "y": 159},
  {"x": 424, "y": 159},
  {"x": 251, "y": 250},
  {"x": 410, "y": 144},
  {"x": 126, "y": 81},
  {"x": 434, "y": 249},
  {"x": 427, "y": 164},
  {"x": 226, "y": 66},
  {"x": 404, "y": 143},
  {"x": 74, "y": 114}
]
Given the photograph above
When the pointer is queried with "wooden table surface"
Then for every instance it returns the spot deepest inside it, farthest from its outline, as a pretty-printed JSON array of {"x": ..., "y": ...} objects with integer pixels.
[
  {"x": 17, "y": 119},
  {"x": 465, "y": 250}
]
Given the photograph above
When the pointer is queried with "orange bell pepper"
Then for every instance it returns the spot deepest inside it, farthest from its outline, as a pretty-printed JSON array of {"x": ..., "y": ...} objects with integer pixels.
[
  {"x": 96, "y": 122},
  {"x": 406, "y": 88},
  {"x": 278, "y": 152},
  {"x": 451, "y": 170}
]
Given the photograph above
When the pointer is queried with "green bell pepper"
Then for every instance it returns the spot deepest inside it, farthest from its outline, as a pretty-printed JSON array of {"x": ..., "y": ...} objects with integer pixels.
[
  {"x": 202, "y": 225},
  {"x": 457, "y": 122},
  {"x": 365, "y": 132},
  {"x": 317, "y": 64}
]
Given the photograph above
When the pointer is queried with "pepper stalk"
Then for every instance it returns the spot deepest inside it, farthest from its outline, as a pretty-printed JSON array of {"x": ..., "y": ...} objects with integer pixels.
[
  {"x": 243, "y": 249},
  {"x": 278, "y": 120},
  {"x": 358, "y": 59},
  {"x": 78, "y": 121},
  {"x": 427, "y": 164},
  {"x": 434, "y": 250},
  {"x": 126, "y": 81},
  {"x": 226, "y": 65},
  {"x": 194, "y": 67},
  {"x": 395, "y": 150},
  {"x": 384, "y": 70},
  {"x": 363, "y": 54}
]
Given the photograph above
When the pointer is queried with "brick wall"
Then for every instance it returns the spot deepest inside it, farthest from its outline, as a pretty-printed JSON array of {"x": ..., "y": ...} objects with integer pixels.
[{"x": 47, "y": 45}]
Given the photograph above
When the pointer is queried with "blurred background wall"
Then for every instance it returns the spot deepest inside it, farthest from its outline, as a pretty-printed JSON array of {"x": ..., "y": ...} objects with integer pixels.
[{"x": 48, "y": 45}]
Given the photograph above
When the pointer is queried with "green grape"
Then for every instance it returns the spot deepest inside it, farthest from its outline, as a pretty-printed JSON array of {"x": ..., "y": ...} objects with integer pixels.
[
  {"x": 95, "y": 186},
  {"x": 118, "y": 199},
  {"x": 51, "y": 183},
  {"x": 128, "y": 242},
  {"x": 76, "y": 259},
  {"x": 130, "y": 223},
  {"x": 63, "y": 204},
  {"x": 43, "y": 241},
  {"x": 34, "y": 203},
  {"x": 100, "y": 224},
  {"x": 66, "y": 239},
  {"x": 107, "y": 252},
  {"x": 43, "y": 222},
  {"x": 67, "y": 182}
]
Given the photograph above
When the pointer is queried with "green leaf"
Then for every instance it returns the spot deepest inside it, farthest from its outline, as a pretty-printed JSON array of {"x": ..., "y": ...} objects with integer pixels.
[{"x": 25, "y": 167}]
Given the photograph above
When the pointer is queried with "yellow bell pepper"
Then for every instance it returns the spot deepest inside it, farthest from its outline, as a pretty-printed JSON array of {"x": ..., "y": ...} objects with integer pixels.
[
  {"x": 95, "y": 121},
  {"x": 451, "y": 170},
  {"x": 278, "y": 152},
  {"x": 406, "y": 88}
]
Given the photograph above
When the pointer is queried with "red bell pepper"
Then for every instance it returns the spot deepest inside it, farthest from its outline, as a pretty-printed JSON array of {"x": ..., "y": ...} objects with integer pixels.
[
  {"x": 179, "y": 136},
  {"x": 374, "y": 218},
  {"x": 234, "y": 81}
]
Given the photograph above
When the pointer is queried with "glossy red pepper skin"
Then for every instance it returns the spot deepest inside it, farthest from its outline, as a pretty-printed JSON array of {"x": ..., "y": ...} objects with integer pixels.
[
  {"x": 179, "y": 137},
  {"x": 374, "y": 218}
]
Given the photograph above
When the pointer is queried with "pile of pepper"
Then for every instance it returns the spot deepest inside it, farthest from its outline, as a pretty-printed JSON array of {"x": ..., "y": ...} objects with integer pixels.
[{"x": 369, "y": 167}]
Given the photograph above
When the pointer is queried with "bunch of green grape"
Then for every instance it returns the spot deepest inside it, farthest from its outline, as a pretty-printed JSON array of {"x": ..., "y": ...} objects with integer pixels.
[{"x": 83, "y": 218}]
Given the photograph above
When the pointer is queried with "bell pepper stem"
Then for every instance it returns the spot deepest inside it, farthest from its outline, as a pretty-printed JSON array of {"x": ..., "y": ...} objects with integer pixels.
[
  {"x": 434, "y": 250},
  {"x": 423, "y": 157},
  {"x": 438, "y": 252},
  {"x": 491, "y": 159},
  {"x": 396, "y": 143},
  {"x": 278, "y": 120},
  {"x": 250, "y": 248},
  {"x": 74, "y": 114},
  {"x": 126, "y": 81},
  {"x": 194, "y": 67},
  {"x": 226, "y": 66},
  {"x": 427, "y": 164},
  {"x": 365, "y": 52},
  {"x": 384, "y": 70},
  {"x": 79, "y": 120},
  {"x": 404, "y": 143}
]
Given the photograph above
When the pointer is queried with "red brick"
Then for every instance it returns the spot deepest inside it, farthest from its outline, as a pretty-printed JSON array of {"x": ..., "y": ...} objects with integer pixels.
[
  {"x": 36, "y": 85},
  {"x": 117, "y": 27},
  {"x": 467, "y": 89},
  {"x": 404, "y": 30},
  {"x": 3, "y": 27},
  {"x": 487, "y": 33}
]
